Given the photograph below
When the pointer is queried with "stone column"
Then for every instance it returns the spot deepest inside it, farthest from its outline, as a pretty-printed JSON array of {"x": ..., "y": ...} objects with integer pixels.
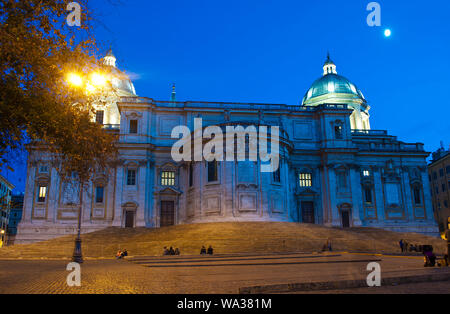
[
  {"x": 427, "y": 196},
  {"x": 332, "y": 185},
  {"x": 379, "y": 195},
  {"x": 355, "y": 181},
  {"x": 117, "y": 221},
  {"x": 29, "y": 194},
  {"x": 406, "y": 188},
  {"x": 140, "y": 212}
]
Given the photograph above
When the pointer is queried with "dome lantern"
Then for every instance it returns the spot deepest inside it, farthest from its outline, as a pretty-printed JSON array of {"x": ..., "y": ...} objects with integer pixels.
[
  {"x": 329, "y": 67},
  {"x": 110, "y": 59}
]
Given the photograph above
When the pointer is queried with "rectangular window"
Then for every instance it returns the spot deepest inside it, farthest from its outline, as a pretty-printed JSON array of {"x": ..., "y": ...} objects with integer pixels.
[
  {"x": 305, "y": 179},
  {"x": 168, "y": 178},
  {"x": 338, "y": 132},
  {"x": 131, "y": 177},
  {"x": 342, "y": 180},
  {"x": 441, "y": 172},
  {"x": 277, "y": 175},
  {"x": 417, "y": 196},
  {"x": 43, "y": 169},
  {"x": 434, "y": 175},
  {"x": 133, "y": 126},
  {"x": 448, "y": 170},
  {"x": 212, "y": 171},
  {"x": 368, "y": 195},
  {"x": 191, "y": 174},
  {"x": 443, "y": 187},
  {"x": 99, "y": 191},
  {"x": 42, "y": 194},
  {"x": 366, "y": 173},
  {"x": 99, "y": 116}
]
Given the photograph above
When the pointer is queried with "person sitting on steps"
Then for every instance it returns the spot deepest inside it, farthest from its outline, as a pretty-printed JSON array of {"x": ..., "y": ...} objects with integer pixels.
[
  {"x": 203, "y": 250},
  {"x": 210, "y": 250}
]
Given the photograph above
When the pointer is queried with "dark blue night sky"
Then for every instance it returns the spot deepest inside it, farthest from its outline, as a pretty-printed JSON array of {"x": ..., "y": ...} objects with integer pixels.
[{"x": 272, "y": 51}]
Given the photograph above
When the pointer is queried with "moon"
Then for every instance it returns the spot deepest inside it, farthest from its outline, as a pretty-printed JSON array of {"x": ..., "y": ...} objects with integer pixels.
[{"x": 387, "y": 32}]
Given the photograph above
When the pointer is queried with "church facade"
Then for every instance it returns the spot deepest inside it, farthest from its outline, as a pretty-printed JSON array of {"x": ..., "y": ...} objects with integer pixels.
[{"x": 333, "y": 169}]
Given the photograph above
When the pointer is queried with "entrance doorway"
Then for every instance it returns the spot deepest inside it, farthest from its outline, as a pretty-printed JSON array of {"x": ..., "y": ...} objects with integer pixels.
[
  {"x": 308, "y": 215},
  {"x": 345, "y": 219},
  {"x": 167, "y": 213},
  {"x": 129, "y": 219}
]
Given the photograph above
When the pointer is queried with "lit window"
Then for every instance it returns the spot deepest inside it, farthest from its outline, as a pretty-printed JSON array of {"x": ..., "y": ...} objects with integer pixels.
[
  {"x": 99, "y": 191},
  {"x": 168, "y": 178},
  {"x": 99, "y": 116},
  {"x": 131, "y": 177},
  {"x": 305, "y": 179},
  {"x": 366, "y": 173},
  {"x": 42, "y": 194},
  {"x": 338, "y": 132},
  {"x": 43, "y": 169}
]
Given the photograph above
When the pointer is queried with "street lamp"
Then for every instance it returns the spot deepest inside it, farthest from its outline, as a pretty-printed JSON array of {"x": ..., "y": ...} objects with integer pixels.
[
  {"x": 96, "y": 81},
  {"x": 2, "y": 232}
]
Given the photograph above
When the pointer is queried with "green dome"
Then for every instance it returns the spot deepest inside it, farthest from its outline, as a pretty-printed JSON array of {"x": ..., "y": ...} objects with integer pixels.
[{"x": 332, "y": 83}]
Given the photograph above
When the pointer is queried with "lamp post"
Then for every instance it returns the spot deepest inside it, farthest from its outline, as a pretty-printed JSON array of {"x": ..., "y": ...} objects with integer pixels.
[
  {"x": 447, "y": 234},
  {"x": 96, "y": 81},
  {"x": 2, "y": 233},
  {"x": 77, "y": 256}
]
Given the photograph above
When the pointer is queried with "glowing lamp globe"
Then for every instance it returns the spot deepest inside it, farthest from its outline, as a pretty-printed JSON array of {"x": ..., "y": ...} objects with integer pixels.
[{"x": 74, "y": 79}]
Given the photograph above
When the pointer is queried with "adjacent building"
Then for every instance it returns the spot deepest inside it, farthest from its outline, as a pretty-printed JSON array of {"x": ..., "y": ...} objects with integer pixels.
[
  {"x": 15, "y": 216},
  {"x": 5, "y": 202},
  {"x": 439, "y": 175},
  {"x": 334, "y": 169}
]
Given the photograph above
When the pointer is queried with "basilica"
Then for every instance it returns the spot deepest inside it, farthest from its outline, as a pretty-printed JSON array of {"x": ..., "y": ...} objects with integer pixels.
[{"x": 334, "y": 170}]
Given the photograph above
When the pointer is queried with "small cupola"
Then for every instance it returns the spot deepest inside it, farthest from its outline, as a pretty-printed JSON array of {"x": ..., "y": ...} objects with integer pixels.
[
  {"x": 329, "y": 67},
  {"x": 110, "y": 59}
]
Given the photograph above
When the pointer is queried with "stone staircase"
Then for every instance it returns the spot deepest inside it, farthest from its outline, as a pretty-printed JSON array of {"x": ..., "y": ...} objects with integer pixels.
[{"x": 226, "y": 238}]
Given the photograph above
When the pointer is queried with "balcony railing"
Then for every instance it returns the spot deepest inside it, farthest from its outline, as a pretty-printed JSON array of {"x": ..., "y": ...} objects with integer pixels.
[
  {"x": 391, "y": 147},
  {"x": 111, "y": 127},
  {"x": 230, "y": 105},
  {"x": 370, "y": 132}
]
